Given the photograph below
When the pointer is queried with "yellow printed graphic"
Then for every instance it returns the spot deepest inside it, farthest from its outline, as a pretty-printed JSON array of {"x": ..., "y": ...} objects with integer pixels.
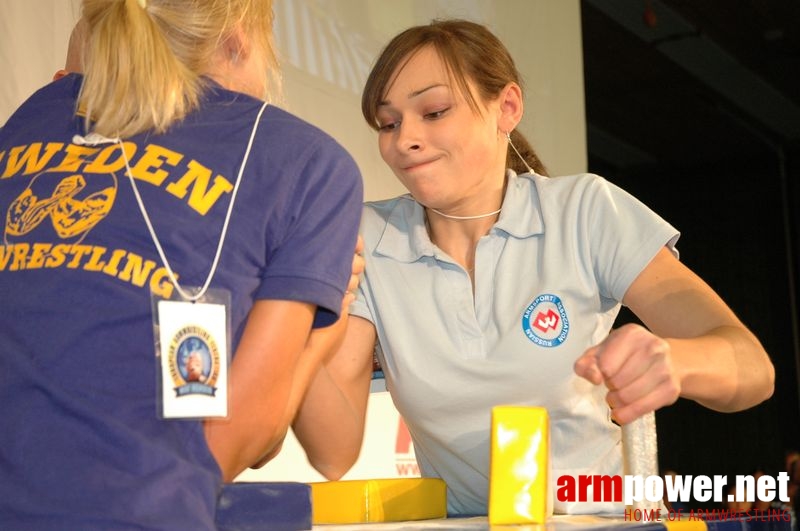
[
  {"x": 69, "y": 216},
  {"x": 72, "y": 189}
]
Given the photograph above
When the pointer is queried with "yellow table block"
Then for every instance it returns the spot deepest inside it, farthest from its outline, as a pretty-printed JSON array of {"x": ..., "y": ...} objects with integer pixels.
[
  {"x": 519, "y": 465},
  {"x": 378, "y": 500},
  {"x": 685, "y": 525}
]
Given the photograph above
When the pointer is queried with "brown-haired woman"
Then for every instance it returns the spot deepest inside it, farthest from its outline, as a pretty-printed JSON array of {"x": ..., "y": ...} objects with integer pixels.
[{"x": 490, "y": 283}]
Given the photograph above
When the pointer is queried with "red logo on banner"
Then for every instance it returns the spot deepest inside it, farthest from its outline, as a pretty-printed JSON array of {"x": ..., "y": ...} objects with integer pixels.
[
  {"x": 404, "y": 450},
  {"x": 403, "y": 445}
]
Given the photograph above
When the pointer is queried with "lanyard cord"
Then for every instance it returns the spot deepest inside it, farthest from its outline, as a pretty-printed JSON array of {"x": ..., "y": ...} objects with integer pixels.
[{"x": 95, "y": 139}]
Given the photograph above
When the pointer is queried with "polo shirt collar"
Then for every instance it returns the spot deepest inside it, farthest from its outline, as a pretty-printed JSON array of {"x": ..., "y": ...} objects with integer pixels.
[
  {"x": 405, "y": 237},
  {"x": 521, "y": 216}
]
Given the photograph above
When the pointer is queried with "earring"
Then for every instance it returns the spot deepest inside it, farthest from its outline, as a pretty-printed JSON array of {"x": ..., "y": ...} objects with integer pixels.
[{"x": 524, "y": 162}]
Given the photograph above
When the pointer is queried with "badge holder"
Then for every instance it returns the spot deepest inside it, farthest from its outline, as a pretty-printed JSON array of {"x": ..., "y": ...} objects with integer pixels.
[{"x": 193, "y": 353}]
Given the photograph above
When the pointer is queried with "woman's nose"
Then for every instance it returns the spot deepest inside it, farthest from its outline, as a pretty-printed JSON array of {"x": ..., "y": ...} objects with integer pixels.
[{"x": 408, "y": 137}]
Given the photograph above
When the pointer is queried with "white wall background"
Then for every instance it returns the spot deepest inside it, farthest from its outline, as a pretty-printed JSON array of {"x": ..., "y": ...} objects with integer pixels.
[{"x": 327, "y": 48}]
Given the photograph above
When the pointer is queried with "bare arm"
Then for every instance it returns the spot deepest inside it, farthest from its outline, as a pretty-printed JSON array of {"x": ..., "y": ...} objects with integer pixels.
[
  {"x": 309, "y": 370},
  {"x": 330, "y": 423},
  {"x": 695, "y": 348},
  {"x": 271, "y": 370}
]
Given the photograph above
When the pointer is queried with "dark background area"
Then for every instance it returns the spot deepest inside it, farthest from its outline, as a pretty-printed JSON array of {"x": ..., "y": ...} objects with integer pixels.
[{"x": 693, "y": 106}]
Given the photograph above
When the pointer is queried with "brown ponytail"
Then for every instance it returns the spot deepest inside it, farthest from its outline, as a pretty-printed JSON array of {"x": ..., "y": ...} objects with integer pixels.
[{"x": 526, "y": 152}]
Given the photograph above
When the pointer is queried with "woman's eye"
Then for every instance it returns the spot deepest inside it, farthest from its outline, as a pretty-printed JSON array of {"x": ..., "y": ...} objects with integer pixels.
[
  {"x": 388, "y": 126},
  {"x": 436, "y": 114}
]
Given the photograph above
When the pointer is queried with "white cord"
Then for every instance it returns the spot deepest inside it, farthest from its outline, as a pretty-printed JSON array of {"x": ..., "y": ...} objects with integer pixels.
[
  {"x": 466, "y": 217},
  {"x": 524, "y": 162},
  {"x": 95, "y": 139}
]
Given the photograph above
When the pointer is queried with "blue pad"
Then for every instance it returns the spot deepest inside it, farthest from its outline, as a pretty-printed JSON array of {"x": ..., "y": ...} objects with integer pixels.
[{"x": 259, "y": 506}]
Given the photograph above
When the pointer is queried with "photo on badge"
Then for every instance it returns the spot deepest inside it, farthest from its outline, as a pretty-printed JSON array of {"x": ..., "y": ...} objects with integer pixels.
[{"x": 193, "y": 352}]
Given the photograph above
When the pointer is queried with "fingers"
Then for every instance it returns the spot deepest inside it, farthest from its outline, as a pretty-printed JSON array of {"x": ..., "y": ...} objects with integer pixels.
[
  {"x": 355, "y": 273},
  {"x": 358, "y": 265},
  {"x": 629, "y": 353},
  {"x": 636, "y": 367},
  {"x": 357, "y": 269},
  {"x": 586, "y": 366}
]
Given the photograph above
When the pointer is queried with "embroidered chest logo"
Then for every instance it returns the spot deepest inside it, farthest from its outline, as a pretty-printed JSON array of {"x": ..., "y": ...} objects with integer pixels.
[
  {"x": 545, "y": 321},
  {"x": 194, "y": 362}
]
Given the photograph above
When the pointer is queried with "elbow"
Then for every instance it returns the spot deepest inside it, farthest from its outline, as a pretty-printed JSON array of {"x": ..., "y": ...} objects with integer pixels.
[
  {"x": 234, "y": 467},
  {"x": 769, "y": 387},
  {"x": 334, "y": 470},
  {"x": 236, "y": 451},
  {"x": 332, "y": 473},
  {"x": 765, "y": 386},
  {"x": 756, "y": 376},
  {"x": 759, "y": 389}
]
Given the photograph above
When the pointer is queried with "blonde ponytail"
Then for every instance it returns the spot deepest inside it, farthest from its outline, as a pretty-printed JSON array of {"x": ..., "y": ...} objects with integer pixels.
[{"x": 145, "y": 61}]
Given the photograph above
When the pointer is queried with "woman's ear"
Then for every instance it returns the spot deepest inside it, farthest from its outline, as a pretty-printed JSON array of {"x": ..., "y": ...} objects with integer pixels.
[
  {"x": 511, "y": 107},
  {"x": 236, "y": 47},
  {"x": 237, "y": 64}
]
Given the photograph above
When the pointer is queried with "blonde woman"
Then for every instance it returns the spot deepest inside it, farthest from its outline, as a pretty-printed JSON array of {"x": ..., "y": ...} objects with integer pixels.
[{"x": 155, "y": 207}]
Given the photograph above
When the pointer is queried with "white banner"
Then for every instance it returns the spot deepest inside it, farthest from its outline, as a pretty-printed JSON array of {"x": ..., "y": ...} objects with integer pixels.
[{"x": 387, "y": 451}]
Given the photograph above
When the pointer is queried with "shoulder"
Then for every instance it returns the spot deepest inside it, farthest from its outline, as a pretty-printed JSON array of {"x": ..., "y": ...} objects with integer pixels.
[
  {"x": 283, "y": 137},
  {"x": 576, "y": 192},
  {"x": 296, "y": 142},
  {"x": 287, "y": 122},
  {"x": 295, "y": 132},
  {"x": 49, "y": 102},
  {"x": 567, "y": 185},
  {"x": 66, "y": 87}
]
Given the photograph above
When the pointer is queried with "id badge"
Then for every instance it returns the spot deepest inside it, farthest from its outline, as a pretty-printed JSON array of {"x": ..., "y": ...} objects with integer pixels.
[{"x": 193, "y": 354}]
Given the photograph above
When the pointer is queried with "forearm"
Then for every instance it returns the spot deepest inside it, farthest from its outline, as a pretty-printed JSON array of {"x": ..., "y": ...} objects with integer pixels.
[
  {"x": 693, "y": 346},
  {"x": 330, "y": 423},
  {"x": 270, "y": 364},
  {"x": 249, "y": 435},
  {"x": 725, "y": 369},
  {"x": 322, "y": 343}
]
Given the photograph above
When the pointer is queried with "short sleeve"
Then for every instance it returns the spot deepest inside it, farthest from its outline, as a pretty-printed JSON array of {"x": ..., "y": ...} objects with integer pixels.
[
  {"x": 313, "y": 261},
  {"x": 623, "y": 236}
]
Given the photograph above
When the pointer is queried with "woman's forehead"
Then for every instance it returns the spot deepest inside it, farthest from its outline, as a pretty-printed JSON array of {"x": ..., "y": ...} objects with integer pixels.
[{"x": 423, "y": 64}]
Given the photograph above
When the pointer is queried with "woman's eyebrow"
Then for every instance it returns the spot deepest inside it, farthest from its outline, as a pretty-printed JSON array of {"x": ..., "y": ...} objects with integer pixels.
[{"x": 413, "y": 94}]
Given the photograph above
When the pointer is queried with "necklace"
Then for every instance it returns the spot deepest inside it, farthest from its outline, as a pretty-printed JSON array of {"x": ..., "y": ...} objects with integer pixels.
[{"x": 466, "y": 217}]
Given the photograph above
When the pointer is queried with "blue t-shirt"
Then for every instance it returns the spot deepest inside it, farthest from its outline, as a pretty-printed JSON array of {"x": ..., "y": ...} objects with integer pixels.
[{"x": 81, "y": 444}]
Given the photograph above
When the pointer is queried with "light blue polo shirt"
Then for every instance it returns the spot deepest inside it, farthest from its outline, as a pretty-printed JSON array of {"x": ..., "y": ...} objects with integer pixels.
[{"x": 548, "y": 280}]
